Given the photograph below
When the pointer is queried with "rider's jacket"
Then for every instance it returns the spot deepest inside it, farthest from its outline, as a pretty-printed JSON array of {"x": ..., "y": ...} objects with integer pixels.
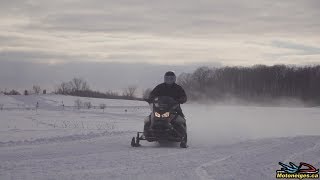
[{"x": 175, "y": 91}]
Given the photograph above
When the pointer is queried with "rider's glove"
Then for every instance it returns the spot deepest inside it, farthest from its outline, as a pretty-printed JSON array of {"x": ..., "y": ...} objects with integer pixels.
[{"x": 148, "y": 100}]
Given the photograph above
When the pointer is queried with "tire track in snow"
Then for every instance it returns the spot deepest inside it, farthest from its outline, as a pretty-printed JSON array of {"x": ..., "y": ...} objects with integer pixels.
[
  {"x": 202, "y": 173},
  {"x": 315, "y": 147},
  {"x": 58, "y": 139}
]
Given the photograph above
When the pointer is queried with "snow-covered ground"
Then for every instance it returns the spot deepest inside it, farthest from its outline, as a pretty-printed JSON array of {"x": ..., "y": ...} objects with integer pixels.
[{"x": 226, "y": 142}]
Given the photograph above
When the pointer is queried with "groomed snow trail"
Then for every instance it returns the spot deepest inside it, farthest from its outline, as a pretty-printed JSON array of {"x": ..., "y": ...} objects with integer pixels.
[
  {"x": 54, "y": 149},
  {"x": 111, "y": 157}
]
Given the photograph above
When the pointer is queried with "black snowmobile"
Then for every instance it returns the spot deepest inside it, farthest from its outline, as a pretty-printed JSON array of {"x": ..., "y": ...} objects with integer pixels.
[{"x": 161, "y": 126}]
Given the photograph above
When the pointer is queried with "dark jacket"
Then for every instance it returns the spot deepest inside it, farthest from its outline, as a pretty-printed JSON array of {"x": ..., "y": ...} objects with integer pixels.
[{"x": 175, "y": 91}]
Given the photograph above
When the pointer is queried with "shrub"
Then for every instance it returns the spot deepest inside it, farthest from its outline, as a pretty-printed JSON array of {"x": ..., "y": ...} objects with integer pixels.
[
  {"x": 102, "y": 106},
  {"x": 87, "y": 105},
  {"x": 78, "y": 103}
]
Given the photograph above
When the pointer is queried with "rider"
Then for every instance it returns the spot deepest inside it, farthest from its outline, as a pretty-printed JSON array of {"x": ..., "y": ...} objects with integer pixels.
[{"x": 171, "y": 89}]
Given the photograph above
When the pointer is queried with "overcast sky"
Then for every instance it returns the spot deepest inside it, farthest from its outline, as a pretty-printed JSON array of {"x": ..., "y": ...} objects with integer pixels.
[{"x": 47, "y": 36}]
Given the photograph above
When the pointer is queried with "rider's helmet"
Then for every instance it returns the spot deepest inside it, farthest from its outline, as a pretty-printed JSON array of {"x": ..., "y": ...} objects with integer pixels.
[{"x": 169, "y": 78}]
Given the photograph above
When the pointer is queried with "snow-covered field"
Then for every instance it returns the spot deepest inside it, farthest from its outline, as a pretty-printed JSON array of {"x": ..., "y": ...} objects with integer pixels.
[{"x": 226, "y": 142}]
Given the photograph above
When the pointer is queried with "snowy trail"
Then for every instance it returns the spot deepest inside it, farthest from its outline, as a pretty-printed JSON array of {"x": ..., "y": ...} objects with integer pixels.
[
  {"x": 50, "y": 144},
  {"x": 112, "y": 158}
]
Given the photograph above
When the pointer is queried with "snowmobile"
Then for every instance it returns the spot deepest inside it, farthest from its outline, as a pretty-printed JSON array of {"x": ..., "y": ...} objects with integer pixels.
[{"x": 161, "y": 126}]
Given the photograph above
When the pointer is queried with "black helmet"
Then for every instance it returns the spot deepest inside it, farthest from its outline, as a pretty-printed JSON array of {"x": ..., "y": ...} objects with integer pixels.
[{"x": 169, "y": 78}]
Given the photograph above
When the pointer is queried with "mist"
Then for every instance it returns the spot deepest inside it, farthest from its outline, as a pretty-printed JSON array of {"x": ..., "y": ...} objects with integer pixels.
[{"x": 224, "y": 124}]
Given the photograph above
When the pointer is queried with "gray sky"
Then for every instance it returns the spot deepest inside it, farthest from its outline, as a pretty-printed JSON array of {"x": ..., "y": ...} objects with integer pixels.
[
  {"x": 100, "y": 75},
  {"x": 56, "y": 35}
]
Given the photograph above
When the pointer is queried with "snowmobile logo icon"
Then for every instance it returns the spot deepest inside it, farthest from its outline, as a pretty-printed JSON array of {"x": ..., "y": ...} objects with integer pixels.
[{"x": 292, "y": 171}]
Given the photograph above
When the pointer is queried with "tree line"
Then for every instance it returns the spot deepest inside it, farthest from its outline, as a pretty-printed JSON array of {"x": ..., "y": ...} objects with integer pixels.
[
  {"x": 257, "y": 83},
  {"x": 36, "y": 89},
  {"x": 79, "y": 87},
  {"x": 253, "y": 83}
]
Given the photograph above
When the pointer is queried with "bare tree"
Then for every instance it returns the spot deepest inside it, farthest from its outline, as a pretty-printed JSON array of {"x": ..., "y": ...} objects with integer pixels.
[
  {"x": 201, "y": 76},
  {"x": 36, "y": 89},
  {"x": 85, "y": 86},
  {"x": 130, "y": 91},
  {"x": 184, "y": 80},
  {"x": 64, "y": 88},
  {"x": 78, "y": 84}
]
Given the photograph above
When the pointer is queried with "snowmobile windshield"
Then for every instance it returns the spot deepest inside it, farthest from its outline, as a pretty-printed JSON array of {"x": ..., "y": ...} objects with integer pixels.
[{"x": 165, "y": 102}]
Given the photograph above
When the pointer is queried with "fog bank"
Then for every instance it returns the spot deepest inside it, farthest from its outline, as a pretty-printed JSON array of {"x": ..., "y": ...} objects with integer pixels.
[{"x": 216, "y": 124}]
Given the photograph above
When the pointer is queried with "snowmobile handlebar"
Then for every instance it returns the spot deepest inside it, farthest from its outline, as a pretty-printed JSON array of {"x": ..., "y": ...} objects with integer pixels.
[{"x": 173, "y": 101}]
